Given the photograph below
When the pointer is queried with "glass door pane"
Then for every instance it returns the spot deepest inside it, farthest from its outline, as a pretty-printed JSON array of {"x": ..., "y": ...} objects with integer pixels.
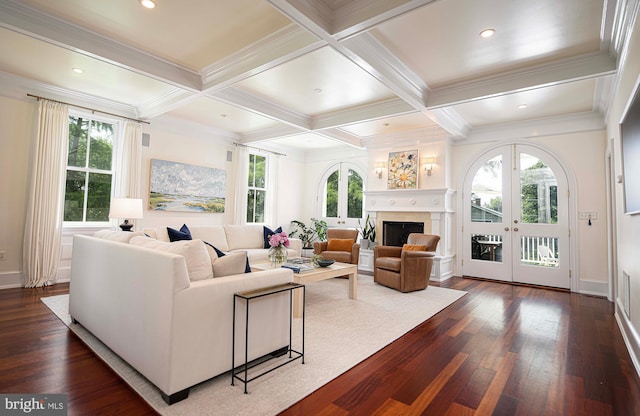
[{"x": 486, "y": 192}]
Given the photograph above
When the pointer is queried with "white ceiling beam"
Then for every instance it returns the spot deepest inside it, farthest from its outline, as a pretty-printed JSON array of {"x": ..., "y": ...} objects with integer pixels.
[
  {"x": 343, "y": 137},
  {"x": 566, "y": 70},
  {"x": 364, "y": 50},
  {"x": 258, "y": 105},
  {"x": 450, "y": 121},
  {"x": 42, "y": 26},
  {"x": 368, "y": 53},
  {"x": 269, "y": 52},
  {"x": 366, "y": 112},
  {"x": 359, "y": 16},
  {"x": 275, "y": 132}
]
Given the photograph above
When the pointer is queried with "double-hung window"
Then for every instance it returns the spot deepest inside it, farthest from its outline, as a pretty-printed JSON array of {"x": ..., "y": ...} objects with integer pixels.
[
  {"x": 89, "y": 170},
  {"x": 257, "y": 189}
]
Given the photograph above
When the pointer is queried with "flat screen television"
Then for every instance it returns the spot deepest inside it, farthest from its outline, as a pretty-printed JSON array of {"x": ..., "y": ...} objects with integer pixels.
[{"x": 630, "y": 139}]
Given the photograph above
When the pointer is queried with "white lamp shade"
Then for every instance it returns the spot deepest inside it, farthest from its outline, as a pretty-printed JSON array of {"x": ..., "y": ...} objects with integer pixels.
[{"x": 127, "y": 208}]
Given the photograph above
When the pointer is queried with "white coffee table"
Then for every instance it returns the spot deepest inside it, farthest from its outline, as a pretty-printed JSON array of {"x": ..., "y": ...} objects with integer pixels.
[{"x": 315, "y": 275}]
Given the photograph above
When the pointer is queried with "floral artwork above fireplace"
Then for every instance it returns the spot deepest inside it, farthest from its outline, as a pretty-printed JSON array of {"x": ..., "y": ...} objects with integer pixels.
[{"x": 403, "y": 170}]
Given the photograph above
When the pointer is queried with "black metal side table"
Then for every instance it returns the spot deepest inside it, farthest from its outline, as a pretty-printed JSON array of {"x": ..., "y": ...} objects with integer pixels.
[{"x": 236, "y": 373}]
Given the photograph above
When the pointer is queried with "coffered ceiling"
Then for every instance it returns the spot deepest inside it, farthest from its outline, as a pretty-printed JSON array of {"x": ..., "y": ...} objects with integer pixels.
[{"x": 316, "y": 74}]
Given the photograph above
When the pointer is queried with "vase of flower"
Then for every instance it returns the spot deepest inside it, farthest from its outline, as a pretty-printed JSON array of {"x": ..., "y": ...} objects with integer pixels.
[{"x": 278, "y": 249}]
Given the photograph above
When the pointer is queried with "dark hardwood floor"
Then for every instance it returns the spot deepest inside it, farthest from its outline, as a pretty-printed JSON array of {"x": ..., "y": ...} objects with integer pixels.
[{"x": 501, "y": 349}]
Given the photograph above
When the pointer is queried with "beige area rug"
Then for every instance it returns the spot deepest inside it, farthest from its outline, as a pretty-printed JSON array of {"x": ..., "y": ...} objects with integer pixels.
[{"x": 340, "y": 333}]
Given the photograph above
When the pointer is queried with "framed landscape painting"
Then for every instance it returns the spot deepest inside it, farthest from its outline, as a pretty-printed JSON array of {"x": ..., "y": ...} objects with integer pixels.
[
  {"x": 403, "y": 170},
  {"x": 182, "y": 187}
]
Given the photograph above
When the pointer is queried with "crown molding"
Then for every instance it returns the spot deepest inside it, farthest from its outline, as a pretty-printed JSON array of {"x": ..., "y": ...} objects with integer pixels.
[
  {"x": 23, "y": 19},
  {"x": 585, "y": 66},
  {"x": 550, "y": 126},
  {"x": 406, "y": 138},
  {"x": 18, "y": 87},
  {"x": 192, "y": 129}
]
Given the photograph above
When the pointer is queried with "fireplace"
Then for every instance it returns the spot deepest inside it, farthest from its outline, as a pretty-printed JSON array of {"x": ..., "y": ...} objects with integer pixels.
[{"x": 395, "y": 233}]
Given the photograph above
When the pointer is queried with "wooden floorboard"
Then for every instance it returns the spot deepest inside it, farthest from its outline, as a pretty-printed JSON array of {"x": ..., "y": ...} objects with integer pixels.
[{"x": 500, "y": 350}]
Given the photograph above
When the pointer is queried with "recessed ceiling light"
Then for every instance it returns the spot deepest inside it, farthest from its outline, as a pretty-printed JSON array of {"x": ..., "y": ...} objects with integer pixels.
[
  {"x": 223, "y": 115},
  {"x": 521, "y": 106},
  {"x": 149, "y": 4},
  {"x": 487, "y": 33},
  {"x": 78, "y": 70},
  {"x": 386, "y": 124},
  {"x": 318, "y": 90}
]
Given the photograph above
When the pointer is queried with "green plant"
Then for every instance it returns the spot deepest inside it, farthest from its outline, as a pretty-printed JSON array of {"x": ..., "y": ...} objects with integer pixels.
[
  {"x": 317, "y": 229},
  {"x": 368, "y": 231}
]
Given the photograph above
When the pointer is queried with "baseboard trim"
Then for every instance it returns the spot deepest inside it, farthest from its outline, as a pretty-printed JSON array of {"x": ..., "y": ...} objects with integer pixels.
[
  {"x": 595, "y": 288},
  {"x": 629, "y": 335},
  {"x": 10, "y": 280}
]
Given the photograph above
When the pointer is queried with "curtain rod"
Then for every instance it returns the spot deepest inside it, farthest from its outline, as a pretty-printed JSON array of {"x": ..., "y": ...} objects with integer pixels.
[
  {"x": 87, "y": 108},
  {"x": 257, "y": 148}
]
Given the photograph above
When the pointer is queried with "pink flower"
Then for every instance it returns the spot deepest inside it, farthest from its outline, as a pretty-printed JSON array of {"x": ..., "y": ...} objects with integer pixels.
[{"x": 279, "y": 240}]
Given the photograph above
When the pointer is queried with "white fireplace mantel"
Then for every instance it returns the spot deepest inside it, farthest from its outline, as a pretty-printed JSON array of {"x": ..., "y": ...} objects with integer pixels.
[
  {"x": 440, "y": 203},
  {"x": 411, "y": 200}
]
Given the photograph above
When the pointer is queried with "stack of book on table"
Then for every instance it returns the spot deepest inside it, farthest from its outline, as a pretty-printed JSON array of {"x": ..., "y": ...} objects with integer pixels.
[{"x": 299, "y": 265}]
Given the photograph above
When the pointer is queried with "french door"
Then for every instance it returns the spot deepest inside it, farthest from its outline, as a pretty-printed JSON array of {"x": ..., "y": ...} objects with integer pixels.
[
  {"x": 516, "y": 224},
  {"x": 341, "y": 195}
]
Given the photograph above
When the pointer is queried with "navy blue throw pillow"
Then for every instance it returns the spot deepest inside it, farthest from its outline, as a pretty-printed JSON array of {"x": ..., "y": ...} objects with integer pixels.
[
  {"x": 177, "y": 235},
  {"x": 267, "y": 233},
  {"x": 247, "y": 268}
]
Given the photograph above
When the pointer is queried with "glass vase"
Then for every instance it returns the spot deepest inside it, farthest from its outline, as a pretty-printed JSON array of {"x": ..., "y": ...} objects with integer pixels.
[{"x": 277, "y": 255}]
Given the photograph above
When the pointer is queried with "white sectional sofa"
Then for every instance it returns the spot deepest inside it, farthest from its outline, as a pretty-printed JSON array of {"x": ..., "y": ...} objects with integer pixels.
[
  {"x": 231, "y": 238},
  {"x": 176, "y": 332}
]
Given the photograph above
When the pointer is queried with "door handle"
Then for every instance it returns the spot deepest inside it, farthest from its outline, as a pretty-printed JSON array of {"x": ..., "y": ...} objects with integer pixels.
[
  {"x": 515, "y": 229},
  {"x": 506, "y": 228}
]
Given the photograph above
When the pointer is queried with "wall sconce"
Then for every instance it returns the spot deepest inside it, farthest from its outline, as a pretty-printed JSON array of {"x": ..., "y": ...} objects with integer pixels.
[
  {"x": 427, "y": 163},
  {"x": 380, "y": 167}
]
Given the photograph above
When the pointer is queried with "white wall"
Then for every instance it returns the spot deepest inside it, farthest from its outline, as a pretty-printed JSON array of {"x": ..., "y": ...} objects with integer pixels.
[
  {"x": 628, "y": 227},
  {"x": 201, "y": 148},
  {"x": 16, "y": 136}
]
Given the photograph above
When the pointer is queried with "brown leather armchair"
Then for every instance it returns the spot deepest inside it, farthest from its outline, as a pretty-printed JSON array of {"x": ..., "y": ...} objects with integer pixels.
[
  {"x": 405, "y": 270},
  {"x": 348, "y": 252}
]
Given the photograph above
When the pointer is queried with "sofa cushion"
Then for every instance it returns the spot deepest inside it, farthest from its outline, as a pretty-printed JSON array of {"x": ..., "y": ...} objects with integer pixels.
[
  {"x": 267, "y": 233},
  {"x": 389, "y": 263},
  {"x": 119, "y": 236},
  {"x": 231, "y": 264},
  {"x": 215, "y": 254},
  {"x": 340, "y": 244},
  {"x": 194, "y": 252},
  {"x": 178, "y": 235},
  {"x": 243, "y": 236},
  {"x": 414, "y": 247},
  {"x": 213, "y": 234}
]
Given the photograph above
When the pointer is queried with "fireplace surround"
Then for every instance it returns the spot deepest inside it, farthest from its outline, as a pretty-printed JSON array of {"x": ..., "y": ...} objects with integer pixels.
[{"x": 434, "y": 208}]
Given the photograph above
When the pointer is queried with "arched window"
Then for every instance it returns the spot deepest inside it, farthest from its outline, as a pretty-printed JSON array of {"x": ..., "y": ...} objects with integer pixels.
[{"x": 341, "y": 195}]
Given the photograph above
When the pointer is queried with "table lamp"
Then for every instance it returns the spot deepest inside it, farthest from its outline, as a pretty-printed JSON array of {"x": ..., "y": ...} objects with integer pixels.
[{"x": 127, "y": 208}]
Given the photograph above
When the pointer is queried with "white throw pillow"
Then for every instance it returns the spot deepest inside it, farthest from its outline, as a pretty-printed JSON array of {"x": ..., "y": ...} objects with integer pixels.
[
  {"x": 230, "y": 264},
  {"x": 194, "y": 252}
]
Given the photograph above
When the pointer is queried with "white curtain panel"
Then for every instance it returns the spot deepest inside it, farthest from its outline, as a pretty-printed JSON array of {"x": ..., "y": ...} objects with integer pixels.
[
  {"x": 128, "y": 175},
  {"x": 241, "y": 173},
  {"x": 45, "y": 208},
  {"x": 271, "y": 202}
]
